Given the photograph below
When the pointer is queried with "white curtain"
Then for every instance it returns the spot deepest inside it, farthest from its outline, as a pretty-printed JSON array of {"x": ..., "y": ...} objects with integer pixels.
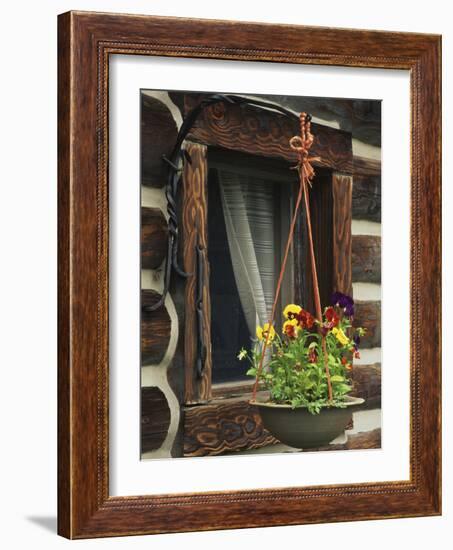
[{"x": 249, "y": 210}]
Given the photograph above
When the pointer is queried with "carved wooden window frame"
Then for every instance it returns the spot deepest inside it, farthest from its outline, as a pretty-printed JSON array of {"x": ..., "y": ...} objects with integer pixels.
[{"x": 214, "y": 128}]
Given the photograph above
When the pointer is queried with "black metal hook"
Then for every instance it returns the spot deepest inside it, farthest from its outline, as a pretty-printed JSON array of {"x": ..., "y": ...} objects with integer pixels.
[{"x": 201, "y": 345}]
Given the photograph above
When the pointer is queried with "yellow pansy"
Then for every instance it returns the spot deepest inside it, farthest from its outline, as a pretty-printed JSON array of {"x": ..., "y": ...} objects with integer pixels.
[
  {"x": 261, "y": 332},
  {"x": 291, "y": 311},
  {"x": 340, "y": 336}
]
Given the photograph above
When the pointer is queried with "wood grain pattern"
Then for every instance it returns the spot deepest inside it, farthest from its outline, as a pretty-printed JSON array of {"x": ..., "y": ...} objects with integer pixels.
[
  {"x": 65, "y": 488},
  {"x": 154, "y": 237},
  {"x": 361, "y": 440},
  {"x": 158, "y": 137},
  {"x": 360, "y": 117},
  {"x": 155, "y": 330},
  {"x": 366, "y": 258},
  {"x": 368, "y": 316},
  {"x": 232, "y": 389},
  {"x": 222, "y": 426},
  {"x": 364, "y": 166},
  {"x": 154, "y": 418},
  {"x": 342, "y": 236},
  {"x": 321, "y": 214},
  {"x": 175, "y": 369},
  {"x": 194, "y": 230},
  {"x": 366, "y": 198},
  {"x": 366, "y": 383},
  {"x": 86, "y": 40},
  {"x": 251, "y": 130}
]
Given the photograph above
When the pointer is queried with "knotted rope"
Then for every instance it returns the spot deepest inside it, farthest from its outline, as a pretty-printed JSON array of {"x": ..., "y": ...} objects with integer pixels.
[{"x": 301, "y": 144}]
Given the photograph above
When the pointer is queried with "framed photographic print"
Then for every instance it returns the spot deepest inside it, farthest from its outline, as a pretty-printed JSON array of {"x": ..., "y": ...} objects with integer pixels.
[{"x": 249, "y": 275}]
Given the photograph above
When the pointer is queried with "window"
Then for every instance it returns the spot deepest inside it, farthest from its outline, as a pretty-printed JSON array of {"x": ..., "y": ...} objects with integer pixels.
[
  {"x": 237, "y": 209},
  {"x": 249, "y": 211}
]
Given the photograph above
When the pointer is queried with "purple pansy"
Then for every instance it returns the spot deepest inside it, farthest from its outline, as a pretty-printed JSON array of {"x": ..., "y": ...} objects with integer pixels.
[
  {"x": 356, "y": 340},
  {"x": 344, "y": 301}
]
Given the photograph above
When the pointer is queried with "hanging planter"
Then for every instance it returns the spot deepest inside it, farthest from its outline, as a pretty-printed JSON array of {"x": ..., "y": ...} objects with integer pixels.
[
  {"x": 307, "y": 373},
  {"x": 299, "y": 428},
  {"x": 305, "y": 369}
]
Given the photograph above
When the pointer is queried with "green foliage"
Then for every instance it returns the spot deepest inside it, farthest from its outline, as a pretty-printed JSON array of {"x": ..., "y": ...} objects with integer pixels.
[{"x": 294, "y": 370}]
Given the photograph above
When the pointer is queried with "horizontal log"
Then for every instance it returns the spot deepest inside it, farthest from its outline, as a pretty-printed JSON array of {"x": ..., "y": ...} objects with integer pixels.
[
  {"x": 155, "y": 330},
  {"x": 232, "y": 389},
  {"x": 223, "y": 425},
  {"x": 366, "y": 383},
  {"x": 154, "y": 237},
  {"x": 158, "y": 137},
  {"x": 267, "y": 133},
  {"x": 364, "y": 440},
  {"x": 361, "y": 440},
  {"x": 366, "y": 166},
  {"x": 362, "y": 118},
  {"x": 368, "y": 316},
  {"x": 155, "y": 418},
  {"x": 366, "y": 198},
  {"x": 176, "y": 366},
  {"x": 366, "y": 258}
]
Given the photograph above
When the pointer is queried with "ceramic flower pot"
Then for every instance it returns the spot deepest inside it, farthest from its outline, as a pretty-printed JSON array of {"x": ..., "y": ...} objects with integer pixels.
[{"x": 300, "y": 429}]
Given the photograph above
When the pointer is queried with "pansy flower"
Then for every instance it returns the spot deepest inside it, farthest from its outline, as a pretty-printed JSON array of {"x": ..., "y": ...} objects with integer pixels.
[
  {"x": 291, "y": 328},
  {"x": 262, "y": 332},
  {"x": 355, "y": 346},
  {"x": 291, "y": 311},
  {"x": 340, "y": 336},
  {"x": 305, "y": 319},
  {"x": 331, "y": 317},
  {"x": 312, "y": 355},
  {"x": 346, "y": 363},
  {"x": 344, "y": 301}
]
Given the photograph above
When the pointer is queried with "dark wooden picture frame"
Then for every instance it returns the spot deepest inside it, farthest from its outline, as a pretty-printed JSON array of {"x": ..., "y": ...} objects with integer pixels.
[{"x": 85, "y": 507}]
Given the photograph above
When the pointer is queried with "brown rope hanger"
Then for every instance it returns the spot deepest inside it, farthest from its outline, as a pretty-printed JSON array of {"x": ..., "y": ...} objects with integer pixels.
[{"x": 301, "y": 144}]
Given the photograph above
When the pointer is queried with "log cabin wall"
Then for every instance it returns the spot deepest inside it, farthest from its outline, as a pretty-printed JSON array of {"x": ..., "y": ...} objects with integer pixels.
[
  {"x": 161, "y": 382},
  {"x": 162, "y": 367},
  {"x": 366, "y": 269}
]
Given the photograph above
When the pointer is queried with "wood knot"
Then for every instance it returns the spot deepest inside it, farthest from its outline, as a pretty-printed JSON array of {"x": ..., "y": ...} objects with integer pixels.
[{"x": 218, "y": 111}]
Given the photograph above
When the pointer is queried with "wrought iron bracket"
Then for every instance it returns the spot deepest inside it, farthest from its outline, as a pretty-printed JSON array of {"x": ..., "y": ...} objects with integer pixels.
[{"x": 201, "y": 345}]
